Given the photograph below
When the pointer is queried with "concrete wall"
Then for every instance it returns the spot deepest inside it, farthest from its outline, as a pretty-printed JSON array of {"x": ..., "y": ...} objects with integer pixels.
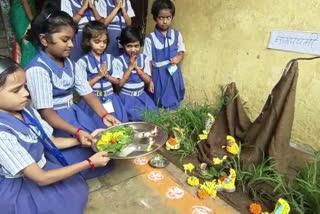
[{"x": 226, "y": 41}]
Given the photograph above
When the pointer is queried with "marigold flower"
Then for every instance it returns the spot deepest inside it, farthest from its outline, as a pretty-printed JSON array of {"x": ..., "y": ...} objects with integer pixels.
[
  {"x": 193, "y": 181},
  {"x": 255, "y": 208},
  {"x": 172, "y": 141},
  {"x": 217, "y": 161},
  {"x": 188, "y": 167},
  {"x": 232, "y": 146},
  {"x": 113, "y": 140},
  {"x": 210, "y": 188},
  {"x": 204, "y": 135},
  {"x": 202, "y": 194}
]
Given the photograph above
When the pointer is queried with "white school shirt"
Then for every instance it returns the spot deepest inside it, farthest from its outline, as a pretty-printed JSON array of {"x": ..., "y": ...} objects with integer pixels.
[
  {"x": 84, "y": 64},
  {"x": 41, "y": 88},
  {"x": 13, "y": 156},
  {"x": 147, "y": 50}
]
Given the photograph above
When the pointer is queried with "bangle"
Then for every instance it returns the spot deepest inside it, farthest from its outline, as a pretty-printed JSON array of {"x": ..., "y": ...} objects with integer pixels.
[
  {"x": 99, "y": 19},
  {"x": 80, "y": 14},
  {"x": 126, "y": 78},
  {"x": 91, "y": 164},
  {"x": 140, "y": 72},
  {"x": 77, "y": 133},
  {"x": 103, "y": 116}
]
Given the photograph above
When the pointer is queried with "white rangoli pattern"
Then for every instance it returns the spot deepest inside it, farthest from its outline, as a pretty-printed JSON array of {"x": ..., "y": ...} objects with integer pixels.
[
  {"x": 141, "y": 161},
  {"x": 155, "y": 176},
  {"x": 175, "y": 192},
  {"x": 201, "y": 210}
]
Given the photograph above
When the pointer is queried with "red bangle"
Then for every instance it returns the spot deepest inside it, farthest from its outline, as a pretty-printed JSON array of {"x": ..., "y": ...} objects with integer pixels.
[
  {"x": 126, "y": 78},
  {"x": 77, "y": 133},
  {"x": 103, "y": 116},
  {"x": 140, "y": 72},
  {"x": 91, "y": 164},
  {"x": 99, "y": 19},
  {"x": 80, "y": 14}
]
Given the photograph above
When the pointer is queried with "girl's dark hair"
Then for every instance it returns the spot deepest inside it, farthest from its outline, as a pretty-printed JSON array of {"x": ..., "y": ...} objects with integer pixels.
[
  {"x": 162, "y": 5},
  {"x": 92, "y": 30},
  {"x": 49, "y": 22},
  {"x": 7, "y": 66},
  {"x": 47, "y": 4},
  {"x": 130, "y": 34}
]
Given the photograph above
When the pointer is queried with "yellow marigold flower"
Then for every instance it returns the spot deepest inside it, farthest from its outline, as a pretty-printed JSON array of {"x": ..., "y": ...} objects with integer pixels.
[
  {"x": 117, "y": 134},
  {"x": 193, "y": 181},
  {"x": 232, "y": 146},
  {"x": 188, "y": 167},
  {"x": 204, "y": 135},
  {"x": 210, "y": 188},
  {"x": 217, "y": 161},
  {"x": 106, "y": 137}
]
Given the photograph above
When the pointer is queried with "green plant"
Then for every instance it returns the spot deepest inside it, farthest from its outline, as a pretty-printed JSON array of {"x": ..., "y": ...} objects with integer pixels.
[
  {"x": 190, "y": 117},
  {"x": 256, "y": 180},
  {"x": 213, "y": 173},
  {"x": 303, "y": 193}
]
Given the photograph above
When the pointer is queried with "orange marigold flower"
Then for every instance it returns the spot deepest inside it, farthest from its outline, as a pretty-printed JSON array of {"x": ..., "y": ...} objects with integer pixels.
[
  {"x": 255, "y": 208},
  {"x": 172, "y": 141},
  {"x": 113, "y": 140},
  {"x": 202, "y": 194}
]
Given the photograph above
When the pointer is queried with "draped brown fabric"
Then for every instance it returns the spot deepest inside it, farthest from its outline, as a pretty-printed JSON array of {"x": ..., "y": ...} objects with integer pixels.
[{"x": 268, "y": 135}]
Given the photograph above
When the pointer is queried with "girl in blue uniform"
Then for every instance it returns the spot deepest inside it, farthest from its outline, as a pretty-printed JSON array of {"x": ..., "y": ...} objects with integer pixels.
[
  {"x": 133, "y": 70},
  {"x": 82, "y": 12},
  {"x": 29, "y": 183},
  {"x": 52, "y": 78},
  {"x": 119, "y": 14},
  {"x": 98, "y": 66},
  {"x": 166, "y": 49}
]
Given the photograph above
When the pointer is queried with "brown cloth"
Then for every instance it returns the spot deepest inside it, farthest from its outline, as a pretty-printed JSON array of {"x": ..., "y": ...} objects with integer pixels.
[{"x": 268, "y": 135}]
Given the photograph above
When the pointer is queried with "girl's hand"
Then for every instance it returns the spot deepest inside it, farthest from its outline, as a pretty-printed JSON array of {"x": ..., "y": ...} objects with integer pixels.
[
  {"x": 118, "y": 4},
  {"x": 123, "y": 5},
  {"x": 85, "y": 4},
  {"x": 100, "y": 159},
  {"x": 175, "y": 60},
  {"x": 103, "y": 70},
  {"x": 107, "y": 76},
  {"x": 151, "y": 87},
  {"x": 133, "y": 61},
  {"x": 85, "y": 138},
  {"x": 96, "y": 132},
  {"x": 91, "y": 5},
  {"x": 110, "y": 120}
]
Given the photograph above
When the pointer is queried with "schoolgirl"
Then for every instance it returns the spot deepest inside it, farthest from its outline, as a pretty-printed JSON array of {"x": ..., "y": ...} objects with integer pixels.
[
  {"x": 133, "y": 71},
  {"x": 52, "y": 78},
  {"x": 166, "y": 49},
  {"x": 30, "y": 183},
  {"x": 98, "y": 66}
]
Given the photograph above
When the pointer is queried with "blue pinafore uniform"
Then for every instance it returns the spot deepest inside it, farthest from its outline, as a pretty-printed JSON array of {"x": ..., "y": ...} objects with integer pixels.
[
  {"x": 52, "y": 87},
  {"x": 102, "y": 89}
]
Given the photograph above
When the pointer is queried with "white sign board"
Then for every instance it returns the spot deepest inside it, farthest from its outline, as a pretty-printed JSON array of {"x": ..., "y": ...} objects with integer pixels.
[{"x": 295, "y": 41}]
